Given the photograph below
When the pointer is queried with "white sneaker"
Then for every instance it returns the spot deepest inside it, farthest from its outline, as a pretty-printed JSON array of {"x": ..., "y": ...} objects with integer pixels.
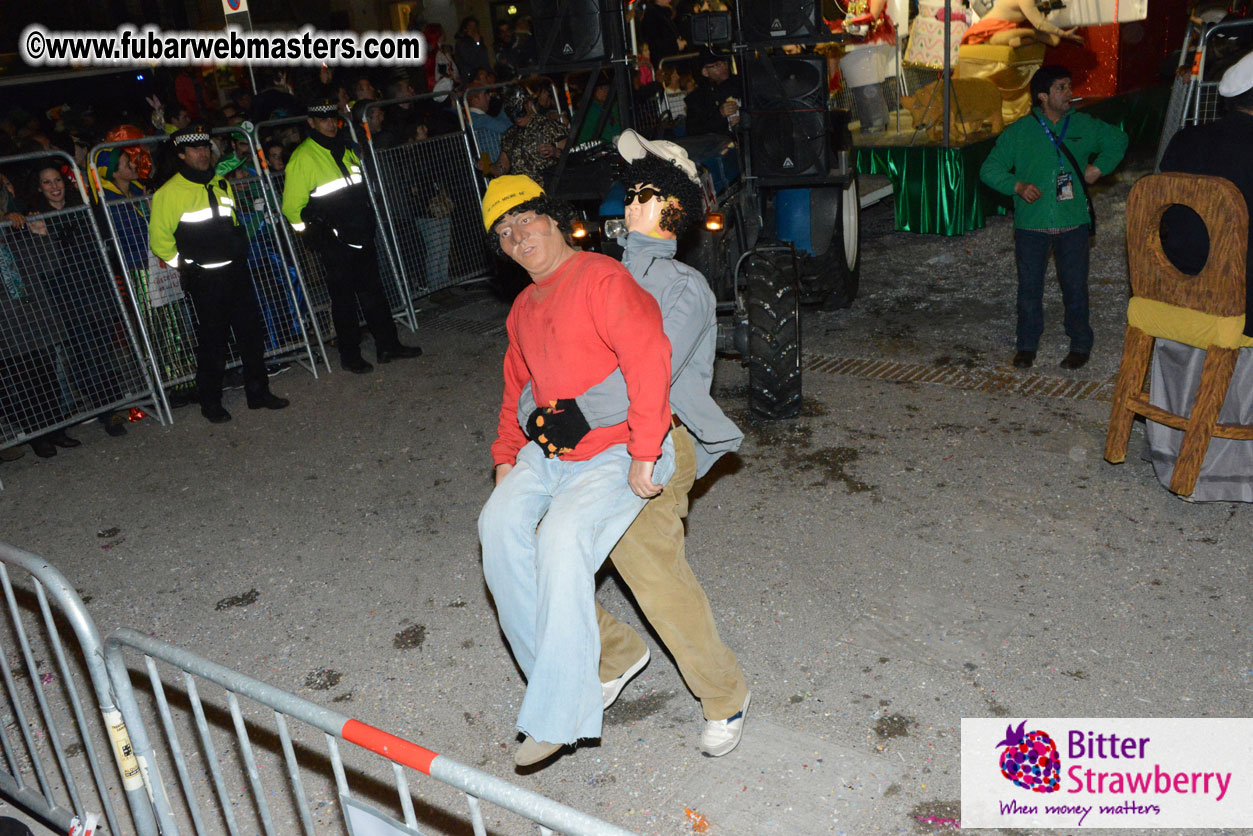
[
  {"x": 611, "y": 689},
  {"x": 721, "y": 736}
]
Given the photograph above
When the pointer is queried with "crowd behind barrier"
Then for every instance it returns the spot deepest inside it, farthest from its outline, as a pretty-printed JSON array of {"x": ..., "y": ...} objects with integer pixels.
[
  {"x": 92, "y": 323},
  {"x": 68, "y": 348}
]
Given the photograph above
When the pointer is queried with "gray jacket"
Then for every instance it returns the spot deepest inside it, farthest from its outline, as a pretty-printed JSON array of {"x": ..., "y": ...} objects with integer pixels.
[{"x": 687, "y": 314}]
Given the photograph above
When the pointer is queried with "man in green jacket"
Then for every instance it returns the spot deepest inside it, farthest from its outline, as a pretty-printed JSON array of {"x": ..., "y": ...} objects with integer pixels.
[
  {"x": 195, "y": 229},
  {"x": 1030, "y": 161},
  {"x": 325, "y": 200}
]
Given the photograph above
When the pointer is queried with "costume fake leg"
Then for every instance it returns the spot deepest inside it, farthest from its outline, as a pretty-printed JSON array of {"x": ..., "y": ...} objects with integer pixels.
[{"x": 651, "y": 558}]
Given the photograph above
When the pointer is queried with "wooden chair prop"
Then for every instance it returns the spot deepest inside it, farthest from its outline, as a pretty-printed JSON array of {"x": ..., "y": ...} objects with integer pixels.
[{"x": 1205, "y": 311}]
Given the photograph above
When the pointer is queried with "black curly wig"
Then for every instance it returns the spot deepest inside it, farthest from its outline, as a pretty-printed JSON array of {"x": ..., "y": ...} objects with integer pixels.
[
  {"x": 561, "y": 212},
  {"x": 670, "y": 180}
]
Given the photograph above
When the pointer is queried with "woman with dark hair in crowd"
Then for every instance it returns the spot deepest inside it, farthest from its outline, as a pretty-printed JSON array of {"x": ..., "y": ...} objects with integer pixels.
[{"x": 84, "y": 297}]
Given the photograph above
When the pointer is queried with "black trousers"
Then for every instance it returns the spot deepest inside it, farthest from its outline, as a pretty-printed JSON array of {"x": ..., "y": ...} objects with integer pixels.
[
  {"x": 352, "y": 277},
  {"x": 225, "y": 300}
]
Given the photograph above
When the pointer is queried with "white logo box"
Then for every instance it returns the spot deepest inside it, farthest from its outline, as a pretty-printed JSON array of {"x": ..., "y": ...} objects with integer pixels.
[{"x": 1137, "y": 773}]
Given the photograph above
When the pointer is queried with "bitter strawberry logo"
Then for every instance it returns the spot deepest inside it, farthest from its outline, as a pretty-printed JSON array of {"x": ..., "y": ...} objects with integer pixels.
[{"x": 1030, "y": 759}]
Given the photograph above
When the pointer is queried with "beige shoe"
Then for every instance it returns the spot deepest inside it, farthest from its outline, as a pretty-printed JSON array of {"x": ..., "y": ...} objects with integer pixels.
[{"x": 533, "y": 751}]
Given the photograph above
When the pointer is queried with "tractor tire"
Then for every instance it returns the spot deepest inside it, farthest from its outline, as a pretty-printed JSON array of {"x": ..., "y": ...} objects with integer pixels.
[
  {"x": 774, "y": 343},
  {"x": 845, "y": 253}
]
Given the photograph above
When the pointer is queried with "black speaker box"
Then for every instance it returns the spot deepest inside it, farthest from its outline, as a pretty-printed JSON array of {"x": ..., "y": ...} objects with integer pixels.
[
  {"x": 576, "y": 28},
  {"x": 787, "y": 103},
  {"x": 711, "y": 28},
  {"x": 767, "y": 21}
]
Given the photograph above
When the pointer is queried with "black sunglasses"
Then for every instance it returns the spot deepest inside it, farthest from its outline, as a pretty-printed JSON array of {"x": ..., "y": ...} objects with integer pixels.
[{"x": 645, "y": 194}]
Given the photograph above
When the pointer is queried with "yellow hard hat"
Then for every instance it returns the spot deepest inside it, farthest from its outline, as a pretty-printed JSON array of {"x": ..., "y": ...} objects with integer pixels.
[{"x": 506, "y": 192}]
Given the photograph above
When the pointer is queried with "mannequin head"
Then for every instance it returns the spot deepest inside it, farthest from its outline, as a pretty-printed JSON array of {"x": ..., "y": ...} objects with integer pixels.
[{"x": 675, "y": 200}]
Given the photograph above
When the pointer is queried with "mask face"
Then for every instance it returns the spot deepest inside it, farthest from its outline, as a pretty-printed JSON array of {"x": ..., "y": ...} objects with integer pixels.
[{"x": 644, "y": 205}]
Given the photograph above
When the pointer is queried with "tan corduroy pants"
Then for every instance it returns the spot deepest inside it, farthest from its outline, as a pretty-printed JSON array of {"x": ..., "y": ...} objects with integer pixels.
[{"x": 651, "y": 557}]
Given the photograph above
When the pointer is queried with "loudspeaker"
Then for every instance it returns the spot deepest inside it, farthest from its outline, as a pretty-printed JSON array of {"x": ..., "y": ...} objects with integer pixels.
[
  {"x": 711, "y": 28},
  {"x": 772, "y": 21},
  {"x": 577, "y": 31},
  {"x": 787, "y": 103}
]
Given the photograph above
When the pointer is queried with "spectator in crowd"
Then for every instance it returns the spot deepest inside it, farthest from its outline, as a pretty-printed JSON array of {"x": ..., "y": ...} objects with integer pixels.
[
  {"x": 30, "y": 392},
  {"x": 505, "y": 47},
  {"x": 534, "y": 143},
  {"x": 541, "y": 89},
  {"x": 469, "y": 49},
  {"x": 86, "y": 304},
  {"x": 275, "y": 155},
  {"x": 1041, "y": 161},
  {"x": 325, "y": 200},
  {"x": 195, "y": 229},
  {"x": 440, "y": 63},
  {"x": 1218, "y": 149},
  {"x": 488, "y": 130},
  {"x": 663, "y": 200},
  {"x": 713, "y": 107},
  {"x": 657, "y": 29},
  {"x": 362, "y": 86},
  {"x": 582, "y": 318},
  {"x": 526, "y": 49},
  {"x": 276, "y": 100},
  {"x": 596, "y": 111},
  {"x": 122, "y": 191}
]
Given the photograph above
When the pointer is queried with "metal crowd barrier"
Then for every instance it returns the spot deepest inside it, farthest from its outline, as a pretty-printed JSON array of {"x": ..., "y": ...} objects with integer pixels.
[
  {"x": 53, "y": 767},
  {"x": 68, "y": 350},
  {"x": 1193, "y": 99},
  {"x": 211, "y": 750},
  {"x": 168, "y": 316},
  {"x": 430, "y": 193},
  {"x": 310, "y": 264}
]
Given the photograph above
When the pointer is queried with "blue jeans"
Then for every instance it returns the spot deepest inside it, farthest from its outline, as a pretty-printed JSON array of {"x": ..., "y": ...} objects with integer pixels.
[
  {"x": 544, "y": 581},
  {"x": 1070, "y": 250}
]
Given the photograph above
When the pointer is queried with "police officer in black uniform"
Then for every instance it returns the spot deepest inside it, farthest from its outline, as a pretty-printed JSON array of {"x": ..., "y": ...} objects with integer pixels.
[
  {"x": 194, "y": 228},
  {"x": 325, "y": 200}
]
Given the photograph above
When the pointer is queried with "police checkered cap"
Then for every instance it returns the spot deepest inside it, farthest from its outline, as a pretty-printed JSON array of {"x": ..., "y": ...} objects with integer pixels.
[
  {"x": 191, "y": 135},
  {"x": 325, "y": 107}
]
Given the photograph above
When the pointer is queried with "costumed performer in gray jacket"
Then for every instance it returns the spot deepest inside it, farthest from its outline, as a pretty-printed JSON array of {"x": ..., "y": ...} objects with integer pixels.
[{"x": 662, "y": 199}]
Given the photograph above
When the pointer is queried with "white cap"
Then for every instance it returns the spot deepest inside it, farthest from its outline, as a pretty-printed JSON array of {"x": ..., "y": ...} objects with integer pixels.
[
  {"x": 634, "y": 147},
  {"x": 1238, "y": 78}
]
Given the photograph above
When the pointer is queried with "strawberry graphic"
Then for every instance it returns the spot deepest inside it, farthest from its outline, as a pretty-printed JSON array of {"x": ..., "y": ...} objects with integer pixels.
[{"x": 1030, "y": 759}]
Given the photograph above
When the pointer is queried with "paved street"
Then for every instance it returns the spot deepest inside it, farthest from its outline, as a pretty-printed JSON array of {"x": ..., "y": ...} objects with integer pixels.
[{"x": 937, "y": 537}]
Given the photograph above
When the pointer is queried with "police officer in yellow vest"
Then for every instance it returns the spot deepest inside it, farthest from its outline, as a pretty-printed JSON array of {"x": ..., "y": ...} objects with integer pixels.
[
  {"x": 194, "y": 228},
  {"x": 325, "y": 200}
]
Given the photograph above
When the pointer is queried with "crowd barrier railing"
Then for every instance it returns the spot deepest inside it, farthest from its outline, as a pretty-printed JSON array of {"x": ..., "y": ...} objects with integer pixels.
[
  {"x": 1193, "y": 99},
  {"x": 211, "y": 750},
  {"x": 430, "y": 193},
  {"x": 168, "y": 314},
  {"x": 46, "y": 726},
  {"x": 68, "y": 346}
]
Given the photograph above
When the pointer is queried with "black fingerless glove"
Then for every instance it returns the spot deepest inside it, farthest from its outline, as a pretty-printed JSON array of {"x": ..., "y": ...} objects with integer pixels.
[{"x": 557, "y": 428}]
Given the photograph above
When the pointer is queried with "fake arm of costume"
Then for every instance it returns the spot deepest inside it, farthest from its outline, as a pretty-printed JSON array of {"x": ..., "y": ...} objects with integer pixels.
[
  {"x": 628, "y": 319},
  {"x": 296, "y": 188},
  {"x": 509, "y": 436},
  {"x": 997, "y": 170},
  {"x": 161, "y": 225}
]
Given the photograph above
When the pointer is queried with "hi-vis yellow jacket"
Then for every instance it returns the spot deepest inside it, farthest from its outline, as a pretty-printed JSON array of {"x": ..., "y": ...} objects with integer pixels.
[
  {"x": 195, "y": 224},
  {"x": 319, "y": 191}
]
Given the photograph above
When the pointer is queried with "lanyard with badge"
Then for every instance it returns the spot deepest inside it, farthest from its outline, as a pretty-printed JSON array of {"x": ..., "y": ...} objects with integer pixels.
[{"x": 1065, "y": 179}]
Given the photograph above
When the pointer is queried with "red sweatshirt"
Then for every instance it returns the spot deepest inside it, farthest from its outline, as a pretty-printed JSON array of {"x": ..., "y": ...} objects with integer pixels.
[{"x": 568, "y": 333}]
